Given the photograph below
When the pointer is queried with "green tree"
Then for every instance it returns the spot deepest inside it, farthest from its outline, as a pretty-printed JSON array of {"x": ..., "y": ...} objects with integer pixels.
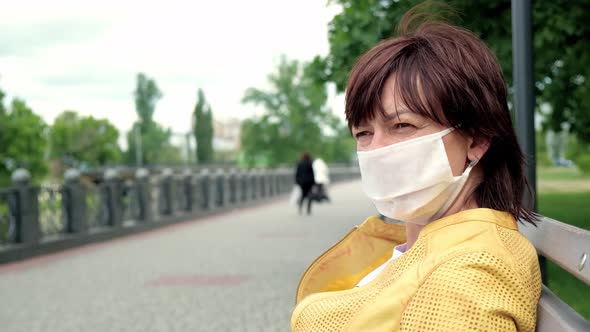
[
  {"x": 561, "y": 44},
  {"x": 152, "y": 139},
  {"x": 3, "y": 140},
  {"x": 203, "y": 128},
  {"x": 2, "y": 109},
  {"x": 22, "y": 138},
  {"x": 146, "y": 95},
  {"x": 296, "y": 118},
  {"x": 155, "y": 143},
  {"x": 83, "y": 140}
]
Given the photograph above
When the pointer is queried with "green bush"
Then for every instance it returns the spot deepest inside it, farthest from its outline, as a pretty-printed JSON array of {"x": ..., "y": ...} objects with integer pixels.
[
  {"x": 579, "y": 152},
  {"x": 583, "y": 163}
]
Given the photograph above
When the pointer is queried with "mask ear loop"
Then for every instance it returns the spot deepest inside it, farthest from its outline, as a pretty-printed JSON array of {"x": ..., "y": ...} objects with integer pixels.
[
  {"x": 445, "y": 207},
  {"x": 471, "y": 164}
]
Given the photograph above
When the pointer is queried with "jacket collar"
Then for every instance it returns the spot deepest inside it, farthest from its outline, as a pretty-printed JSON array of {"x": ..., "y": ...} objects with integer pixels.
[
  {"x": 376, "y": 227},
  {"x": 503, "y": 219}
]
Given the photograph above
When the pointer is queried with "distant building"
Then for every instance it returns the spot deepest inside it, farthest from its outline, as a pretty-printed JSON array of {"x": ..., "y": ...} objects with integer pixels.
[{"x": 226, "y": 135}]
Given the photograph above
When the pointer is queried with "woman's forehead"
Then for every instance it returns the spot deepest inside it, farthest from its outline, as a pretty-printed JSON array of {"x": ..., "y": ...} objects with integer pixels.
[
  {"x": 390, "y": 114},
  {"x": 390, "y": 99}
]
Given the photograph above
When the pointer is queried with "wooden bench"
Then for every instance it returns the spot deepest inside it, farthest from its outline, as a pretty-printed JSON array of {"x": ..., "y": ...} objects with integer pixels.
[{"x": 568, "y": 247}]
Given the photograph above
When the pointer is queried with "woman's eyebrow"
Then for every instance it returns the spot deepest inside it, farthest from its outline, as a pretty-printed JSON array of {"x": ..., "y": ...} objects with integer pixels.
[{"x": 396, "y": 114}]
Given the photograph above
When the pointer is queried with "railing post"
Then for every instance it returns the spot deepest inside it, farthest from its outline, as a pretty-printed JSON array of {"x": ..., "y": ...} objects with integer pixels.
[
  {"x": 253, "y": 184},
  {"x": 187, "y": 186},
  {"x": 259, "y": 184},
  {"x": 271, "y": 182},
  {"x": 277, "y": 181},
  {"x": 144, "y": 195},
  {"x": 112, "y": 197},
  {"x": 232, "y": 186},
  {"x": 270, "y": 192},
  {"x": 166, "y": 192},
  {"x": 202, "y": 184},
  {"x": 195, "y": 193},
  {"x": 244, "y": 185},
  {"x": 286, "y": 180},
  {"x": 266, "y": 182},
  {"x": 289, "y": 179},
  {"x": 261, "y": 175},
  {"x": 212, "y": 191},
  {"x": 280, "y": 181},
  {"x": 225, "y": 185},
  {"x": 74, "y": 201},
  {"x": 207, "y": 190},
  {"x": 220, "y": 186},
  {"x": 28, "y": 230},
  {"x": 218, "y": 183}
]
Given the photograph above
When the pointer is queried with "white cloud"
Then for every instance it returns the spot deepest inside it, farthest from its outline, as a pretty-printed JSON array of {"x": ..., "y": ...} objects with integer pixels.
[{"x": 84, "y": 56}]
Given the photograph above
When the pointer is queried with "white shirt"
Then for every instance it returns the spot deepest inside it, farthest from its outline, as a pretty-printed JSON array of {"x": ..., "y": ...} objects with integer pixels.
[
  {"x": 373, "y": 274},
  {"x": 321, "y": 172}
]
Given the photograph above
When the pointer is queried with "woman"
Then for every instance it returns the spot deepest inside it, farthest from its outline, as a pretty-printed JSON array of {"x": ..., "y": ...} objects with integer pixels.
[
  {"x": 437, "y": 151},
  {"x": 321, "y": 174},
  {"x": 304, "y": 178}
]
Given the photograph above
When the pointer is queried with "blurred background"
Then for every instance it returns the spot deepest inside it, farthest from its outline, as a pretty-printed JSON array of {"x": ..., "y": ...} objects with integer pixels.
[{"x": 182, "y": 85}]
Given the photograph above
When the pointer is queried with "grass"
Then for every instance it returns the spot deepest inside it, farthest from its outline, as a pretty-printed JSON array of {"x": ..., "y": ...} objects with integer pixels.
[
  {"x": 564, "y": 194},
  {"x": 560, "y": 173}
]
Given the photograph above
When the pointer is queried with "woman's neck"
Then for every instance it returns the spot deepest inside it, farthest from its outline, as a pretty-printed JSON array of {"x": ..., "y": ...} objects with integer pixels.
[
  {"x": 412, "y": 232},
  {"x": 461, "y": 203}
]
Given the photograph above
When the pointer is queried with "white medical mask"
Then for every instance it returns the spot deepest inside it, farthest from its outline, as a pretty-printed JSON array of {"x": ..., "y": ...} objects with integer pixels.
[{"x": 411, "y": 181}]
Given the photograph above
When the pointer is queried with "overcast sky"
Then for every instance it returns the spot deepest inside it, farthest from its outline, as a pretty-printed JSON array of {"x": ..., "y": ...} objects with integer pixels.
[{"x": 84, "y": 55}]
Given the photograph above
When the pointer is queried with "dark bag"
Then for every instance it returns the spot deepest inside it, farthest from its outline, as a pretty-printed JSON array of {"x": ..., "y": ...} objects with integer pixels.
[{"x": 317, "y": 193}]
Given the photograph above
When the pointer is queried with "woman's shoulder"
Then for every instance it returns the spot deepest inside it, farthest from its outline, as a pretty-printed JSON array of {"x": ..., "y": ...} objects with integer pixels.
[
  {"x": 477, "y": 285},
  {"x": 491, "y": 244},
  {"x": 502, "y": 256}
]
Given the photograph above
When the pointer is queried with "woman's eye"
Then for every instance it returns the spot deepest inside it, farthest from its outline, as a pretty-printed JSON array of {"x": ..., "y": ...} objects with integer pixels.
[
  {"x": 361, "y": 134},
  {"x": 402, "y": 125}
]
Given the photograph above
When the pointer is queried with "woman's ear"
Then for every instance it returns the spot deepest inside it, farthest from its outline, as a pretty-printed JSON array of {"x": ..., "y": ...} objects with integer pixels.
[{"x": 477, "y": 148}]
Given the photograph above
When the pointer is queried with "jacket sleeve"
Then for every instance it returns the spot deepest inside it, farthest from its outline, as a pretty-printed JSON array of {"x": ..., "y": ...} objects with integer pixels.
[{"x": 472, "y": 292}]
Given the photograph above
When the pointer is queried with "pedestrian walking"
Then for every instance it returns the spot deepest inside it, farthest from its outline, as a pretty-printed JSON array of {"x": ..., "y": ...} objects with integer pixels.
[{"x": 304, "y": 178}]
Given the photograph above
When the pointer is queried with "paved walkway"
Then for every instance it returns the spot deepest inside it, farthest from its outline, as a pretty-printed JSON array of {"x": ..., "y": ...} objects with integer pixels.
[{"x": 233, "y": 272}]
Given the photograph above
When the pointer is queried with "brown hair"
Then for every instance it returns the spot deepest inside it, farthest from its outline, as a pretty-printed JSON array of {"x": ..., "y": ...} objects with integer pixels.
[{"x": 447, "y": 74}]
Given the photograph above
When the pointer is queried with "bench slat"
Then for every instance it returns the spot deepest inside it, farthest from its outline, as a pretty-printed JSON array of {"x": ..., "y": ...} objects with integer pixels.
[
  {"x": 563, "y": 244},
  {"x": 554, "y": 315}
]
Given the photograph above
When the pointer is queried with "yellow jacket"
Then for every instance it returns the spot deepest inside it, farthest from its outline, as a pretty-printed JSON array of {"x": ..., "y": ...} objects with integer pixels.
[{"x": 468, "y": 271}]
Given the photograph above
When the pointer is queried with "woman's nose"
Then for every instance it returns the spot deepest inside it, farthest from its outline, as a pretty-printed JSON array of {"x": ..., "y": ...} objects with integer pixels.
[{"x": 380, "y": 139}]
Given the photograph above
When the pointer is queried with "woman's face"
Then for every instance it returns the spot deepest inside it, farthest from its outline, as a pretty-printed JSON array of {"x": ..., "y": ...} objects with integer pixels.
[{"x": 400, "y": 124}]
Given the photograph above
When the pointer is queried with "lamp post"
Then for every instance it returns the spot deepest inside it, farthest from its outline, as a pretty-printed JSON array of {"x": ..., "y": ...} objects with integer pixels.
[
  {"x": 189, "y": 154},
  {"x": 138, "y": 151},
  {"x": 524, "y": 98}
]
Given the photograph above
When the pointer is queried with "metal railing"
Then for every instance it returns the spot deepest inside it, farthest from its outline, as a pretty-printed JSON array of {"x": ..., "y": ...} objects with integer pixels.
[
  {"x": 7, "y": 216},
  {"x": 33, "y": 217}
]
